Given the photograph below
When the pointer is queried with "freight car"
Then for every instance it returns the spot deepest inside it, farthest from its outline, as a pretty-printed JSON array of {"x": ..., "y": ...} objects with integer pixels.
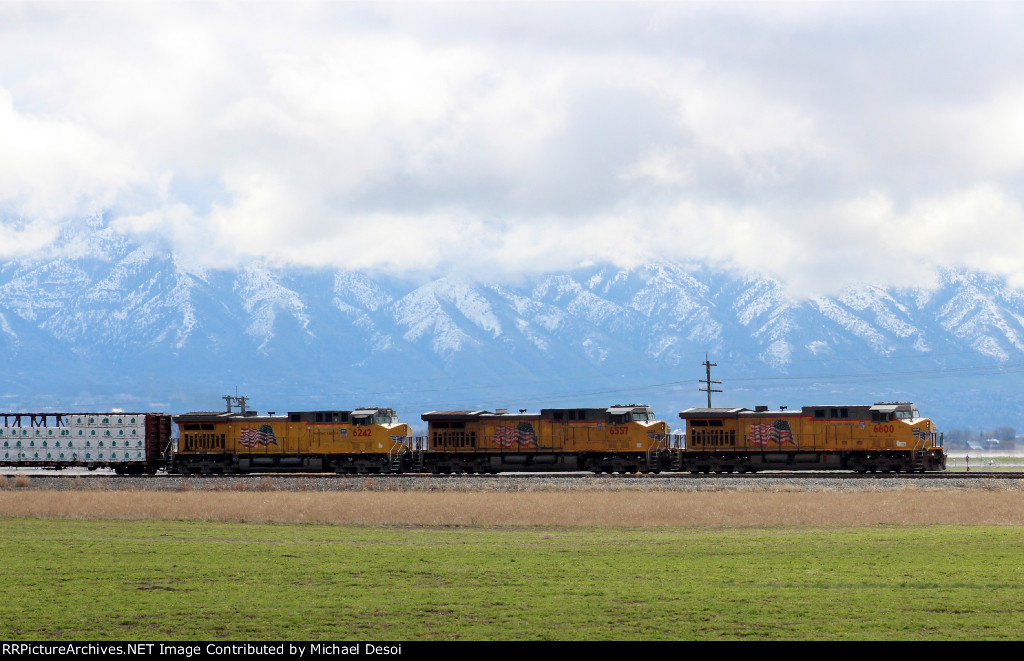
[
  {"x": 885, "y": 437},
  {"x": 621, "y": 439},
  {"x": 367, "y": 440},
  {"x": 130, "y": 443}
]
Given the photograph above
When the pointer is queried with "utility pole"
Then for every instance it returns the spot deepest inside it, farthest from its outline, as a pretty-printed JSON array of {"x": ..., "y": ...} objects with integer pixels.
[{"x": 707, "y": 381}]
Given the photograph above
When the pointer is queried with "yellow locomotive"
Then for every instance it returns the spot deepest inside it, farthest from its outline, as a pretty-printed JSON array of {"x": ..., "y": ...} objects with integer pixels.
[
  {"x": 885, "y": 437},
  {"x": 368, "y": 440},
  {"x": 622, "y": 439}
]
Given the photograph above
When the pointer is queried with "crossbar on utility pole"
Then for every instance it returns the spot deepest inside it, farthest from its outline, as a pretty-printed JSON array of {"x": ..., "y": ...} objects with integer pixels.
[{"x": 707, "y": 381}]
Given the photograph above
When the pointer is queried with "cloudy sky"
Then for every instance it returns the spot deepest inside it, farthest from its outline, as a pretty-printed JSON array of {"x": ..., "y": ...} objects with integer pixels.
[{"x": 818, "y": 143}]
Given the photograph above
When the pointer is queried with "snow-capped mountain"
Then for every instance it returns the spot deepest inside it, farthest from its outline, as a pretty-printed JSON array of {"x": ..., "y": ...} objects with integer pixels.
[{"x": 124, "y": 325}]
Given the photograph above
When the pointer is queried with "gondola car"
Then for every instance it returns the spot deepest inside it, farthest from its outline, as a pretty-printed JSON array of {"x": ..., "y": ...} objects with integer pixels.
[
  {"x": 367, "y": 440},
  {"x": 620, "y": 439},
  {"x": 884, "y": 437}
]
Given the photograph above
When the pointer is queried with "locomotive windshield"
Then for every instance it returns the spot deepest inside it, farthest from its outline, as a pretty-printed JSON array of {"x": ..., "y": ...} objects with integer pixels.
[{"x": 384, "y": 416}]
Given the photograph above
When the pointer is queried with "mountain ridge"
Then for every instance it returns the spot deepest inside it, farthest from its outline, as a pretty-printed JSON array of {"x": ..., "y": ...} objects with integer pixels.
[{"x": 124, "y": 321}]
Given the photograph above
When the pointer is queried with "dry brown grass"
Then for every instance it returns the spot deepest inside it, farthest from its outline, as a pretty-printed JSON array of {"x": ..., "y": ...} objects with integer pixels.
[{"x": 760, "y": 508}]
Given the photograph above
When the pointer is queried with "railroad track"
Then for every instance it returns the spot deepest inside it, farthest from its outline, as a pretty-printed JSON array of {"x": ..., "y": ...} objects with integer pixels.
[{"x": 1005, "y": 475}]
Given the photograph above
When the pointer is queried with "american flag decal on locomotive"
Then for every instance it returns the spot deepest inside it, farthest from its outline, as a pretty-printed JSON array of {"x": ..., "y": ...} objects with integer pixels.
[
  {"x": 522, "y": 435},
  {"x": 778, "y": 432},
  {"x": 262, "y": 436}
]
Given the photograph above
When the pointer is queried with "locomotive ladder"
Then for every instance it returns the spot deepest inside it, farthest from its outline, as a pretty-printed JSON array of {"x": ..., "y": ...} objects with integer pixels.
[
  {"x": 917, "y": 454},
  {"x": 418, "y": 451},
  {"x": 654, "y": 452},
  {"x": 677, "y": 460},
  {"x": 676, "y": 448},
  {"x": 652, "y": 458},
  {"x": 395, "y": 455},
  {"x": 396, "y": 461}
]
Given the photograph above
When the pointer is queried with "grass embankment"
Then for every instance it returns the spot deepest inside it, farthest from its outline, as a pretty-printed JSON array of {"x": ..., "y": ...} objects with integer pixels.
[
  {"x": 156, "y": 580},
  {"x": 1004, "y": 505}
]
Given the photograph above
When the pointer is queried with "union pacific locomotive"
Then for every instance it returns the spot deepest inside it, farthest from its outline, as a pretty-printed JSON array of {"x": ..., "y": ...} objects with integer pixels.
[
  {"x": 368, "y": 440},
  {"x": 886, "y": 437},
  {"x": 619, "y": 439}
]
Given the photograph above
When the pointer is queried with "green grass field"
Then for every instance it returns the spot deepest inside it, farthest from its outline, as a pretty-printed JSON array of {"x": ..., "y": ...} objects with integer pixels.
[{"x": 175, "y": 580}]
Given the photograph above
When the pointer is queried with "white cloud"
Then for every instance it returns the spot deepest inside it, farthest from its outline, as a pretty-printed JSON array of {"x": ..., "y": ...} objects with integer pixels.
[
  {"x": 51, "y": 169},
  {"x": 989, "y": 134},
  {"x": 821, "y": 144}
]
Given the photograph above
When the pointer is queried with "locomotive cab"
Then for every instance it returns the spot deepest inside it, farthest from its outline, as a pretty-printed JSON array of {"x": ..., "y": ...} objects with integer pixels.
[
  {"x": 373, "y": 416},
  {"x": 620, "y": 415},
  {"x": 883, "y": 412}
]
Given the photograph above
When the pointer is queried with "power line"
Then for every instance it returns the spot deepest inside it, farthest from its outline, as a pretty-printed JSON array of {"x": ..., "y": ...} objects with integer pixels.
[{"x": 817, "y": 380}]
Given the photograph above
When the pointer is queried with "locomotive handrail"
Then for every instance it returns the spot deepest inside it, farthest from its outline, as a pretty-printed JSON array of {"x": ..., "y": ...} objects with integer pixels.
[
  {"x": 657, "y": 443},
  {"x": 397, "y": 451}
]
